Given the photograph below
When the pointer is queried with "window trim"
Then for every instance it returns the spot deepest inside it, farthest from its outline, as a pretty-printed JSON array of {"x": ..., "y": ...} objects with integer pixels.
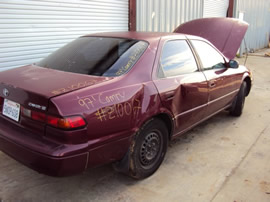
[{"x": 159, "y": 68}]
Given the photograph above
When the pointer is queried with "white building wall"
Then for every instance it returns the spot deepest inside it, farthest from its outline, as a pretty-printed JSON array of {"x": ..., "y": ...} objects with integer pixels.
[
  {"x": 166, "y": 15},
  {"x": 215, "y": 8}
]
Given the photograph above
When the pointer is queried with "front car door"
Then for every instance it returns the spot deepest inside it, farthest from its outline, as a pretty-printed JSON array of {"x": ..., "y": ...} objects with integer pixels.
[
  {"x": 221, "y": 82},
  {"x": 182, "y": 87}
]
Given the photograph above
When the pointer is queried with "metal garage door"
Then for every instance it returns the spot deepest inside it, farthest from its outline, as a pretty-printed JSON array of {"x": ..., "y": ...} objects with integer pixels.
[
  {"x": 215, "y": 8},
  {"x": 166, "y": 15},
  {"x": 31, "y": 29}
]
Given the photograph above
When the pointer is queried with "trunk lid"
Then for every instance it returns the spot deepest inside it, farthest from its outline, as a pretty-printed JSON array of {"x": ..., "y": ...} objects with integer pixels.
[
  {"x": 33, "y": 86},
  {"x": 224, "y": 33}
]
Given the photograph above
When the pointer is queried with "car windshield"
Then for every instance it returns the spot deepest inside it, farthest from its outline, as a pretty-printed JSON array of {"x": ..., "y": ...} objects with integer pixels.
[{"x": 99, "y": 56}]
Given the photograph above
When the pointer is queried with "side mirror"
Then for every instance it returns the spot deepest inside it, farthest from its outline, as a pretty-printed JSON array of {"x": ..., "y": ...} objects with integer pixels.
[{"x": 233, "y": 64}]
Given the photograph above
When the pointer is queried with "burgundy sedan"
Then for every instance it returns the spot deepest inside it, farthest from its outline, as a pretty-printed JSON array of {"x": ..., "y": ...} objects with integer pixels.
[{"x": 118, "y": 97}]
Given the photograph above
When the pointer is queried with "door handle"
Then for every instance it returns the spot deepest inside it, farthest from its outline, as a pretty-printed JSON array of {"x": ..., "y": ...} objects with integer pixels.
[{"x": 212, "y": 84}]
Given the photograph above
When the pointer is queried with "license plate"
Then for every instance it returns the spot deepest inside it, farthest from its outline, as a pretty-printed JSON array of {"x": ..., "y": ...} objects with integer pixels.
[{"x": 11, "y": 109}]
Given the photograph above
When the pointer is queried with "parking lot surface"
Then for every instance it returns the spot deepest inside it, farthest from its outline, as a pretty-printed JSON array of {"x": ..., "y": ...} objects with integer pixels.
[{"x": 223, "y": 159}]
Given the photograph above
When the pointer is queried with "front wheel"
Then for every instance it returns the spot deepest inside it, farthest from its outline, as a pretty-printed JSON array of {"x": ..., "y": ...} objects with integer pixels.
[
  {"x": 238, "y": 104},
  {"x": 148, "y": 149}
]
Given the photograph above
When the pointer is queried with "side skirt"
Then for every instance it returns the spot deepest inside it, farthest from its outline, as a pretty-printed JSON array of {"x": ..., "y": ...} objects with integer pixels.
[{"x": 192, "y": 126}]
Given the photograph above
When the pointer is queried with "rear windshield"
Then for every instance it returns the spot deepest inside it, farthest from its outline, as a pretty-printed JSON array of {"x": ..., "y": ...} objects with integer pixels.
[{"x": 99, "y": 56}]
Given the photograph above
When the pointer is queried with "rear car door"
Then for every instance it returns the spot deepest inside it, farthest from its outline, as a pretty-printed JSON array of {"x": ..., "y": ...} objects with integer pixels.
[
  {"x": 219, "y": 78},
  {"x": 182, "y": 87}
]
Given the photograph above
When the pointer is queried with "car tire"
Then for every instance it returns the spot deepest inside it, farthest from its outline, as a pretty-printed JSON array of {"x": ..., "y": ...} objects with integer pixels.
[
  {"x": 238, "y": 103},
  {"x": 147, "y": 149}
]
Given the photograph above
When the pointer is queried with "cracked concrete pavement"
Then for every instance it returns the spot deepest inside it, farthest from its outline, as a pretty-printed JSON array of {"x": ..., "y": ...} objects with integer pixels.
[{"x": 223, "y": 159}]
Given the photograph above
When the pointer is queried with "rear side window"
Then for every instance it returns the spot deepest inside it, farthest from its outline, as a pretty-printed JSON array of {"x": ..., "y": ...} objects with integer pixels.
[
  {"x": 100, "y": 56},
  {"x": 210, "y": 58},
  {"x": 177, "y": 59}
]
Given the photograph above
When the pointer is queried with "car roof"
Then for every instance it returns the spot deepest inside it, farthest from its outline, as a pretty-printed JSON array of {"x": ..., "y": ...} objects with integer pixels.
[{"x": 147, "y": 36}]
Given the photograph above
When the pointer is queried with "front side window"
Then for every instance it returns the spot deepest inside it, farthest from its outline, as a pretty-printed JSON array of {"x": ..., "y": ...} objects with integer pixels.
[
  {"x": 210, "y": 58},
  {"x": 177, "y": 59},
  {"x": 99, "y": 56}
]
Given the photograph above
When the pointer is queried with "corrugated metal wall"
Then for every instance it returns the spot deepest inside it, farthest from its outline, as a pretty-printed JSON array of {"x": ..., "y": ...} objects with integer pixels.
[
  {"x": 166, "y": 15},
  {"x": 215, "y": 8},
  {"x": 31, "y": 29},
  {"x": 257, "y": 14}
]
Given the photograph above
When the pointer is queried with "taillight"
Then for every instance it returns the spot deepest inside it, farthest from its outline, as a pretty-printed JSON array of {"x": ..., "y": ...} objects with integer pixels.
[
  {"x": 26, "y": 112},
  {"x": 53, "y": 121},
  {"x": 66, "y": 123},
  {"x": 38, "y": 116}
]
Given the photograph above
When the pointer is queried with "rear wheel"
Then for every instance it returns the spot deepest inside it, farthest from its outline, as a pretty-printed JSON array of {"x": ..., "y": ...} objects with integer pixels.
[
  {"x": 148, "y": 149},
  {"x": 238, "y": 104}
]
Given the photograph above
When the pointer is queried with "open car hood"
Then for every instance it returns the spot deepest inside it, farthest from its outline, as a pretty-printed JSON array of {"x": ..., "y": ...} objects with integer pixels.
[{"x": 224, "y": 33}]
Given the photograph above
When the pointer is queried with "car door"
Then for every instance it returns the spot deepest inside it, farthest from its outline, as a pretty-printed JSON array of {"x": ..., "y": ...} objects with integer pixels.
[
  {"x": 219, "y": 78},
  {"x": 182, "y": 87}
]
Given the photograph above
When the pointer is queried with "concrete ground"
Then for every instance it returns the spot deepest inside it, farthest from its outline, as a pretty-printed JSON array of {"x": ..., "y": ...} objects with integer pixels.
[{"x": 225, "y": 159}]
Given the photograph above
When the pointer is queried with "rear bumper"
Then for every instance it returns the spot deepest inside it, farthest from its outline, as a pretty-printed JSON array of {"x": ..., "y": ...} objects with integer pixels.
[
  {"x": 57, "y": 159},
  {"x": 53, "y": 166},
  {"x": 41, "y": 154}
]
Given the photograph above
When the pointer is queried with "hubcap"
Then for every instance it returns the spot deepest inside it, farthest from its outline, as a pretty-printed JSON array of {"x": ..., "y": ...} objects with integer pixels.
[{"x": 150, "y": 149}]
